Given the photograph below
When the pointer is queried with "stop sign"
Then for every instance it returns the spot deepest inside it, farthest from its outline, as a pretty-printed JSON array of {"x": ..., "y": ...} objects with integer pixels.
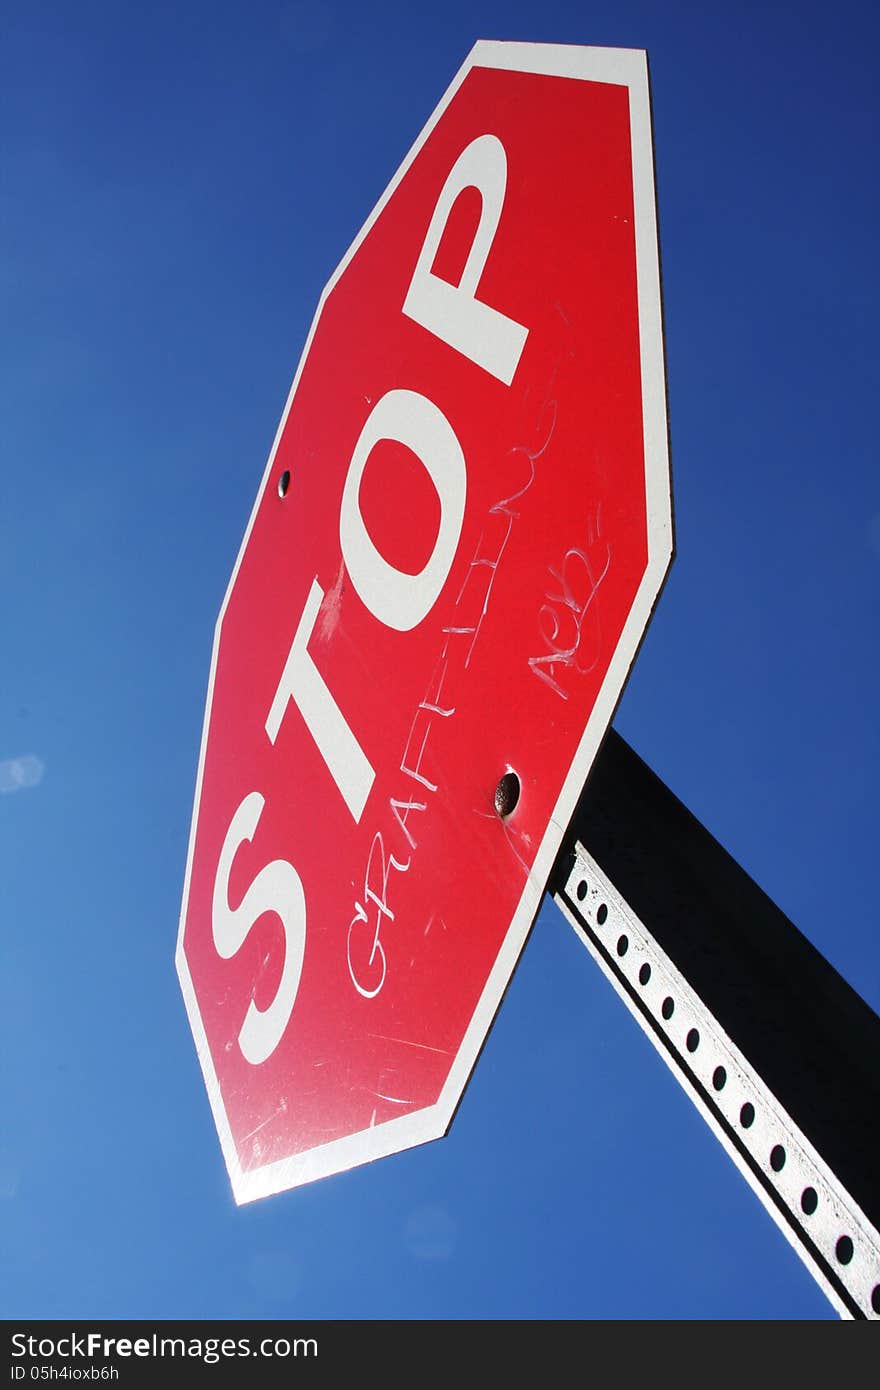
[{"x": 462, "y": 529}]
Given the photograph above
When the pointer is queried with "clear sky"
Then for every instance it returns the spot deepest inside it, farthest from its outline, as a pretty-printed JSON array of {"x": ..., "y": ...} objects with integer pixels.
[{"x": 177, "y": 183}]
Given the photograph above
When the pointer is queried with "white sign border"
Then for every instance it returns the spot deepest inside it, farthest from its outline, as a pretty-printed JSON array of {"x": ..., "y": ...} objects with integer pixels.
[{"x": 620, "y": 67}]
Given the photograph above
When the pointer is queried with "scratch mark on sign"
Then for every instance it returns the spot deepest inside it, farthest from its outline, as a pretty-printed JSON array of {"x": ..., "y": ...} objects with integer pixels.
[
  {"x": 331, "y": 608},
  {"x": 508, "y": 515},
  {"x": 404, "y": 1042},
  {"x": 262, "y": 1125},
  {"x": 489, "y": 815},
  {"x": 392, "y": 1100}
]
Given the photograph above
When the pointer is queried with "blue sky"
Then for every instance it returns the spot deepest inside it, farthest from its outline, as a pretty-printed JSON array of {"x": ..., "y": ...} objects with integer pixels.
[{"x": 178, "y": 183}]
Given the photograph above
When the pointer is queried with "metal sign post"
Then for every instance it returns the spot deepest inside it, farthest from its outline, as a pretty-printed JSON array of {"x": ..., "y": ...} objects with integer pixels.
[{"x": 775, "y": 1049}]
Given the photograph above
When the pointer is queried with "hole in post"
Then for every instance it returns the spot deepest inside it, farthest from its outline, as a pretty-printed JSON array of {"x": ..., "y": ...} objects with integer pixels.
[
  {"x": 667, "y": 1008},
  {"x": 284, "y": 482},
  {"x": 644, "y": 974},
  {"x": 777, "y": 1158},
  {"x": 844, "y": 1250},
  {"x": 581, "y": 890},
  {"x": 601, "y": 914},
  {"x": 719, "y": 1078},
  {"x": 747, "y": 1115},
  {"x": 692, "y": 1041},
  {"x": 507, "y": 794},
  {"x": 809, "y": 1201}
]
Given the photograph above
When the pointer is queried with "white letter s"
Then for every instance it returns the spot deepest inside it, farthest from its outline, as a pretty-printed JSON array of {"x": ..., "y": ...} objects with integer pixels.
[{"x": 276, "y": 888}]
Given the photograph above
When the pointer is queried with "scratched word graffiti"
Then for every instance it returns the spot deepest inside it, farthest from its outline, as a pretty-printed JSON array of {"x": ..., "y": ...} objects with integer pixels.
[{"x": 367, "y": 959}]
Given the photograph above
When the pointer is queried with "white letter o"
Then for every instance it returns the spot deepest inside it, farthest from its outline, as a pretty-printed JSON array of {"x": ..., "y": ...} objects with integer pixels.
[{"x": 397, "y": 599}]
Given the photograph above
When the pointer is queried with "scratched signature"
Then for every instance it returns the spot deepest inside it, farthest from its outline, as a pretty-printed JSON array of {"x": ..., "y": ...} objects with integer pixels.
[{"x": 569, "y": 622}]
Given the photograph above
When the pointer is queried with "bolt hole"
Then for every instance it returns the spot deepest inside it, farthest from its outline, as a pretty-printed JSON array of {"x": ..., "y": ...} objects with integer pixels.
[
  {"x": 692, "y": 1042},
  {"x": 719, "y": 1078},
  {"x": 644, "y": 974},
  {"x": 747, "y": 1115},
  {"x": 777, "y": 1158},
  {"x": 844, "y": 1250},
  {"x": 622, "y": 945},
  {"x": 809, "y": 1201},
  {"x": 875, "y": 1298},
  {"x": 601, "y": 914},
  {"x": 507, "y": 794},
  {"x": 284, "y": 482},
  {"x": 581, "y": 891},
  {"x": 667, "y": 1008}
]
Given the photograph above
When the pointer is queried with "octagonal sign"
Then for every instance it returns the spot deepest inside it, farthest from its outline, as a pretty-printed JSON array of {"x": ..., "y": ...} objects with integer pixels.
[{"x": 460, "y": 534}]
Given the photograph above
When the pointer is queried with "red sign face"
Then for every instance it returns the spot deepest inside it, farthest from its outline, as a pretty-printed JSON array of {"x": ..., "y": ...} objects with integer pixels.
[{"x": 460, "y": 534}]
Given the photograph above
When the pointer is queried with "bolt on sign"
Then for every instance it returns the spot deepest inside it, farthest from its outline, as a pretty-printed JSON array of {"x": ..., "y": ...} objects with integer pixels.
[{"x": 460, "y": 534}]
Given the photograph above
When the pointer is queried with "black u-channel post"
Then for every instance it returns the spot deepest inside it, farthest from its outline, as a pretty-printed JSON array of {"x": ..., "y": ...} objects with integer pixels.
[{"x": 780, "y": 1055}]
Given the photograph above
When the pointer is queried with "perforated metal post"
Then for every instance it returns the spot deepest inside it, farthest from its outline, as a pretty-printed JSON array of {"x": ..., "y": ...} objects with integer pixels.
[{"x": 778, "y": 1053}]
